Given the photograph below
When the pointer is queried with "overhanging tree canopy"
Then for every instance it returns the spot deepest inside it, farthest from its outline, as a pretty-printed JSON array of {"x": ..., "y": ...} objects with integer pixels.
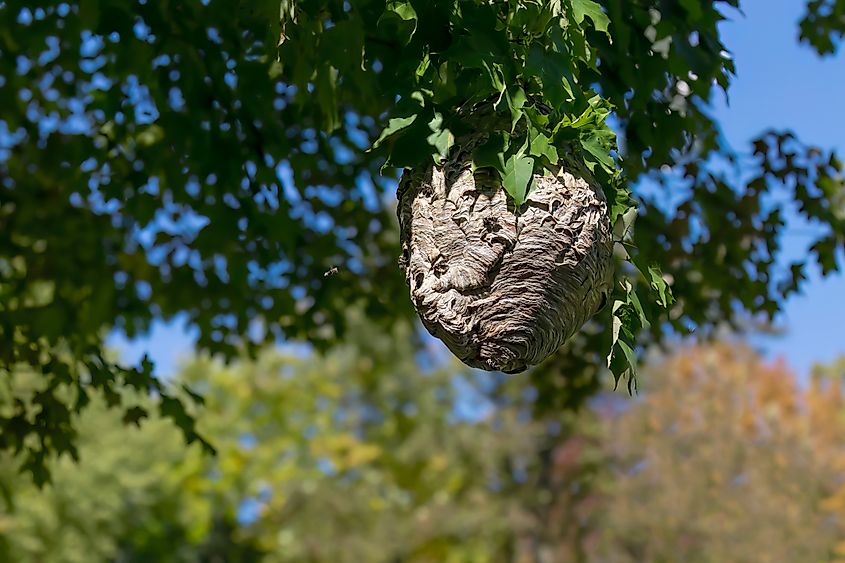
[{"x": 159, "y": 158}]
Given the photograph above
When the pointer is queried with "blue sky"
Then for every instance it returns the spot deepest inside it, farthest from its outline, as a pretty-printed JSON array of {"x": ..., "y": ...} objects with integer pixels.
[{"x": 781, "y": 85}]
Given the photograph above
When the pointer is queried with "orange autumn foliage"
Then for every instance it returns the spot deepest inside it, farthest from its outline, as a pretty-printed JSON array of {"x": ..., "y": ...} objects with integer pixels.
[{"x": 725, "y": 457}]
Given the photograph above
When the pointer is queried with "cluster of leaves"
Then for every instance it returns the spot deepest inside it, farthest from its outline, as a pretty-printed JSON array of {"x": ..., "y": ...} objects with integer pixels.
[
  {"x": 661, "y": 66},
  {"x": 719, "y": 242},
  {"x": 740, "y": 246},
  {"x": 823, "y": 25},
  {"x": 523, "y": 58},
  {"x": 151, "y": 166}
]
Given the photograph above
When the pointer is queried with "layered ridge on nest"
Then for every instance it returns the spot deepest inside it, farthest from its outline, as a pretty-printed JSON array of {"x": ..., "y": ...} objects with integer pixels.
[{"x": 503, "y": 288}]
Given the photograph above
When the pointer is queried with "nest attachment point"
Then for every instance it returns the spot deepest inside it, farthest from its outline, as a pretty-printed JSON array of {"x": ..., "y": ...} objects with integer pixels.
[{"x": 503, "y": 288}]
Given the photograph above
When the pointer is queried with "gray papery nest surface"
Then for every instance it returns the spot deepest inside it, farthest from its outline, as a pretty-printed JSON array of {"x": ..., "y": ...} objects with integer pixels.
[{"x": 503, "y": 288}]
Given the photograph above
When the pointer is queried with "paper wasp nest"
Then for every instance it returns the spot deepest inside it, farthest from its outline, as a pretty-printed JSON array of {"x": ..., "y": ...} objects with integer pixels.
[{"x": 503, "y": 288}]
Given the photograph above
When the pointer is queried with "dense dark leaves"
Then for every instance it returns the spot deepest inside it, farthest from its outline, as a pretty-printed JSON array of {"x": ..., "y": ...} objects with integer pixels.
[
  {"x": 151, "y": 164},
  {"x": 659, "y": 68},
  {"x": 823, "y": 25},
  {"x": 717, "y": 231},
  {"x": 721, "y": 239}
]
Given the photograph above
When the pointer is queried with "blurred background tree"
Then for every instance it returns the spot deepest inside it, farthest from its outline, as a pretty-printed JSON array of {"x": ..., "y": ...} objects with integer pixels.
[
  {"x": 360, "y": 455},
  {"x": 371, "y": 454},
  {"x": 725, "y": 458}
]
